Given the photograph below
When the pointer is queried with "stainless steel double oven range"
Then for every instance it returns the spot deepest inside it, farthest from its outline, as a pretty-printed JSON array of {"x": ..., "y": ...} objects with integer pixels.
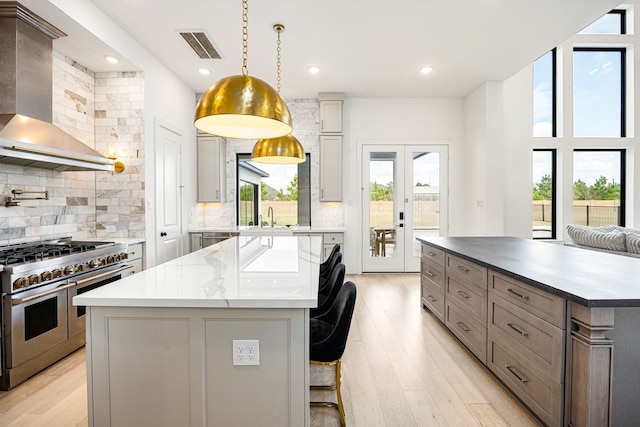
[{"x": 40, "y": 325}]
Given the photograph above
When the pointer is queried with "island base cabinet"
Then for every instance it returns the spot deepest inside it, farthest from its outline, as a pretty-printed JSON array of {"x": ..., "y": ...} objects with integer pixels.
[
  {"x": 173, "y": 367},
  {"x": 534, "y": 388}
]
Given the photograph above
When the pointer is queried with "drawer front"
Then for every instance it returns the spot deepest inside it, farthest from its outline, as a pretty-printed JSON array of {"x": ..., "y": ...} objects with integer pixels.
[
  {"x": 433, "y": 272},
  {"x": 433, "y": 254},
  {"x": 536, "y": 390},
  {"x": 468, "y": 296},
  {"x": 472, "y": 334},
  {"x": 470, "y": 271},
  {"x": 539, "y": 341},
  {"x": 333, "y": 238},
  {"x": 137, "y": 267},
  {"x": 432, "y": 298},
  {"x": 547, "y": 306},
  {"x": 134, "y": 251}
]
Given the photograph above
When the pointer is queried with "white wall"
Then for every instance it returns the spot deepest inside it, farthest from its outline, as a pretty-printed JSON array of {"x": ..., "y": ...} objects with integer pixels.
[
  {"x": 395, "y": 121},
  {"x": 166, "y": 98}
]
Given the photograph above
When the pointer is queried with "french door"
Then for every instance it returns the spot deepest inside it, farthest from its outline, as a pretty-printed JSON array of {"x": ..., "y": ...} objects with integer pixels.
[{"x": 404, "y": 197}]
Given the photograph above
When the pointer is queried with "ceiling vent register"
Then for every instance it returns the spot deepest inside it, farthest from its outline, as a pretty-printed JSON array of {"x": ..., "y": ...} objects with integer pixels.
[{"x": 201, "y": 44}]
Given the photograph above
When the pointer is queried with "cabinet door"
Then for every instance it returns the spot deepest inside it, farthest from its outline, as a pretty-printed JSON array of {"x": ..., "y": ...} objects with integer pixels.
[
  {"x": 331, "y": 116},
  {"x": 211, "y": 168},
  {"x": 330, "y": 168}
]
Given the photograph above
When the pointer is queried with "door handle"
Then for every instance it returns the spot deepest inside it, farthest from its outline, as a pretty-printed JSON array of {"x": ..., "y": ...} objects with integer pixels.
[{"x": 163, "y": 234}]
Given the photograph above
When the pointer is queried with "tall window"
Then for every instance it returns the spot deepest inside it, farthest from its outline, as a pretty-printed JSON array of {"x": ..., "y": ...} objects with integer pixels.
[
  {"x": 544, "y": 194},
  {"x": 544, "y": 95},
  {"x": 598, "y": 187},
  {"x": 614, "y": 22},
  {"x": 599, "y": 92},
  {"x": 284, "y": 188}
]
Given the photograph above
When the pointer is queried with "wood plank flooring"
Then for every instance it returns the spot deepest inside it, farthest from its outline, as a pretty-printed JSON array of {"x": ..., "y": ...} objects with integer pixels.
[{"x": 401, "y": 368}]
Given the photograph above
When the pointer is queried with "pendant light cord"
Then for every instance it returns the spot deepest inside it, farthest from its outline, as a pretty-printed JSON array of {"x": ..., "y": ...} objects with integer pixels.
[{"x": 245, "y": 36}]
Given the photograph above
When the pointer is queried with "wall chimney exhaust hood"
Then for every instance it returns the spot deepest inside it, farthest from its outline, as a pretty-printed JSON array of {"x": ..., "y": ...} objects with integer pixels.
[
  {"x": 31, "y": 142},
  {"x": 27, "y": 136}
]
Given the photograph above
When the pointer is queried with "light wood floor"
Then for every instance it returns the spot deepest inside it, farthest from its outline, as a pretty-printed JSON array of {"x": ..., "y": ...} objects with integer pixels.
[{"x": 401, "y": 368}]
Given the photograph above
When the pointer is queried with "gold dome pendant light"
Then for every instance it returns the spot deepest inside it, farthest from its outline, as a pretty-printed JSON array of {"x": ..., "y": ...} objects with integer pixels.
[
  {"x": 285, "y": 149},
  {"x": 242, "y": 106}
]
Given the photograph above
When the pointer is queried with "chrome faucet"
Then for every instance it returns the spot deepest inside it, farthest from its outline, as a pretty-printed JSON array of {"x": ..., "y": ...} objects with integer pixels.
[{"x": 270, "y": 214}]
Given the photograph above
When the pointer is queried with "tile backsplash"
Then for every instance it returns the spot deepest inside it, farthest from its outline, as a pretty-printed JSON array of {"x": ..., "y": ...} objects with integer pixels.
[{"x": 103, "y": 110}]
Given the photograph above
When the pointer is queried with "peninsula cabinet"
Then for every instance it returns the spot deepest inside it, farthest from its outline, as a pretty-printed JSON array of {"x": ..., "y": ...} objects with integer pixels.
[
  {"x": 330, "y": 168},
  {"x": 212, "y": 168},
  {"x": 545, "y": 319}
]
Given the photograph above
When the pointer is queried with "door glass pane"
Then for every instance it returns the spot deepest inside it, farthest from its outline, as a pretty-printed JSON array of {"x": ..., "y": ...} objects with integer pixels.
[
  {"x": 382, "y": 233},
  {"x": 426, "y": 197}
]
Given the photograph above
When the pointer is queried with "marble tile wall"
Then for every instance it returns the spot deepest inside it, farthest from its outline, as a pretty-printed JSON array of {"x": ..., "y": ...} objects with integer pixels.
[
  {"x": 306, "y": 125},
  {"x": 75, "y": 197},
  {"x": 119, "y": 125}
]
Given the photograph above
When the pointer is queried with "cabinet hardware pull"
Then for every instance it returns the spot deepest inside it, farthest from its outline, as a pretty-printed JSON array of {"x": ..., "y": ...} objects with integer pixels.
[
  {"x": 432, "y": 253},
  {"x": 519, "y": 377},
  {"x": 461, "y": 268},
  {"x": 431, "y": 298},
  {"x": 463, "y": 294},
  {"x": 463, "y": 327},
  {"x": 518, "y": 294},
  {"x": 428, "y": 273},
  {"x": 518, "y": 330}
]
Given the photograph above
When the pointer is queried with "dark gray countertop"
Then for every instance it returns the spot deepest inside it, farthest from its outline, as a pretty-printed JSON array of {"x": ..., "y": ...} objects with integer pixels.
[{"x": 590, "y": 278}]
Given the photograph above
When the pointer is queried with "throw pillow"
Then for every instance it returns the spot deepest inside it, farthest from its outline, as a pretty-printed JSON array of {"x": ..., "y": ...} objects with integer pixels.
[
  {"x": 598, "y": 237},
  {"x": 633, "y": 243}
]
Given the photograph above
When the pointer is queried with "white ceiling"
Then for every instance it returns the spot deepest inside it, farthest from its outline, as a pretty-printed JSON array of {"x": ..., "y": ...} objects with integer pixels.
[{"x": 365, "y": 48}]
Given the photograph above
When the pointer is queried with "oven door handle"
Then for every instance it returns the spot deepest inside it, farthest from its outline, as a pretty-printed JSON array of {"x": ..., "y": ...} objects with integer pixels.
[
  {"x": 19, "y": 301},
  {"x": 100, "y": 276}
]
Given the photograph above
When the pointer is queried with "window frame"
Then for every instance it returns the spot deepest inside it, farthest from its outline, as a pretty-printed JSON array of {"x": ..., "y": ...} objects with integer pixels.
[
  {"x": 623, "y": 177},
  {"x": 554, "y": 92},
  {"x": 554, "y": 193},
  {"x": 623, "y": 85}
]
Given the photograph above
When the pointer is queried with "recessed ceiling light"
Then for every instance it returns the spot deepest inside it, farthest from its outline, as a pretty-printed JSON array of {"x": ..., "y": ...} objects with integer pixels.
[
  {"x": 204, "y": 71},
  {"x": 426, "y": 69},
  {"x": 314, "y": 69},
  {"x": 111, "y": 59}
]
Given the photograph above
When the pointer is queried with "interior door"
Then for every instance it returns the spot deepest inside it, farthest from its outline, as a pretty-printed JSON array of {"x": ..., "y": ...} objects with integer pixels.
[
  {"x": 404, "y": 197},
  {"x": 168, "y": 193}
]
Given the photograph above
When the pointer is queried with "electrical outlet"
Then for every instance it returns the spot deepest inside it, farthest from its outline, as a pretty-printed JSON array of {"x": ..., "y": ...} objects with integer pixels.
[{"x": 246, "y": 352}]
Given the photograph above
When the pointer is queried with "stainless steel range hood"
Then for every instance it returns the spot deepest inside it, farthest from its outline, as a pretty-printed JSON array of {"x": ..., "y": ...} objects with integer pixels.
[
  {"x": 27, "y": 136},
  {"x": 31, "y": 142}
]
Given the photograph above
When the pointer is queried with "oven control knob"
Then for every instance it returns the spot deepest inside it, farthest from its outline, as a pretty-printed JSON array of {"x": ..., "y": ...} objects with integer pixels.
[
  {"x": 110, "y": 259},
  {"x": 34, "y": 279},
  {"x": 70, "y": 269},
  {"x": 124, "y": 255},
  {"x": 96, "y": 262},
  {"x": 79, "y": 267},
  {"x": 45, "y": 275},
  {"x": 20, "y": 282},
  {"x": 57, "y": 272}
]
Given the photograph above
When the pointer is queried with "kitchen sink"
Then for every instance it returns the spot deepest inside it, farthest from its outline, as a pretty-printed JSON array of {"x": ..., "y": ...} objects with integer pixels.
[{"x": 267, "y": 231}]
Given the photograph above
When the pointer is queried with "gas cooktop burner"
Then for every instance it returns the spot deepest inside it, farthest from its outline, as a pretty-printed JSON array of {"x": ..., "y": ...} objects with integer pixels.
[{"x": 40, "y": 251}]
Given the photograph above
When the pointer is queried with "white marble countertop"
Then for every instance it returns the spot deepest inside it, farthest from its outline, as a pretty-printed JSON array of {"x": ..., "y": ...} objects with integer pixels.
[{"x": 240, "y": 272}]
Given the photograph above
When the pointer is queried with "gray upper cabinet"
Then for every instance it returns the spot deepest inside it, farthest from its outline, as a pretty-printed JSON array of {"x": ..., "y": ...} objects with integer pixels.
[
  {"x": 330, "y": 168},
  {"x": 211, "y": 168},
  {"x": 330, "y": 116}
]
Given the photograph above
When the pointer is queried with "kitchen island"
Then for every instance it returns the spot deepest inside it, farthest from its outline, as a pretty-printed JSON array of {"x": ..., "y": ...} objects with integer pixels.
[
  {"x": 541, "y": 317},
  {"x": 160, "y": 344}
]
